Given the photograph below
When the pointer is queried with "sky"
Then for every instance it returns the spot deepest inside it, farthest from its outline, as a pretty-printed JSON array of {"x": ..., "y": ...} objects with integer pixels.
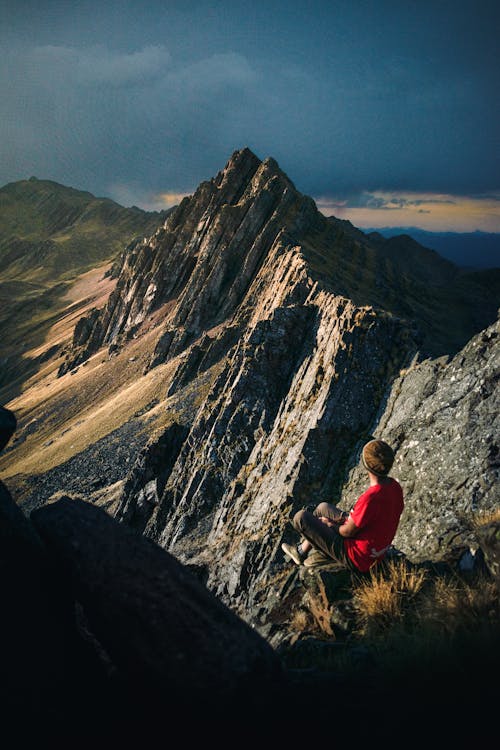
[{"x": 386, "y": 113}]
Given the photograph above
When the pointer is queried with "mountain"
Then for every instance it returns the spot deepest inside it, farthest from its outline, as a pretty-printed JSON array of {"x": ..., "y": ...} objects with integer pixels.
[
  {"x": 49, "y": 235},
  {"x": 247, "y": 349},
  {"x": 467, "y": 249},
  {"x": 446, "y": 304}
]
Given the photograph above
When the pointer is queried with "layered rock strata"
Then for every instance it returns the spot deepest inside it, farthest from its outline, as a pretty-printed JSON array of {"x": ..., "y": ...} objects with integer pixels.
[{"x": 295, "y": 331}]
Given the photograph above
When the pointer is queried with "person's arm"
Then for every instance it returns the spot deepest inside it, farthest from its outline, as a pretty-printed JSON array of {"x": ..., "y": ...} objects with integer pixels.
[
  {"x": 348, "y": 528},
  {"x": 340, "y": 519}
]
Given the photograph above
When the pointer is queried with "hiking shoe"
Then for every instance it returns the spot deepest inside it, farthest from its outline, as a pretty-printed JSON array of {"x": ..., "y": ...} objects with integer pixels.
[
  {"x": 315, "y": 558},
  {"x": 291, "y": 551}
]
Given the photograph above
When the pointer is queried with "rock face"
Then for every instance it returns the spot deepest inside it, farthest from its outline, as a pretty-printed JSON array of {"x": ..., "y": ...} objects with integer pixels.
[
  {"x": 300, "y": 339},
  {"x": 220, "y": 255},
  {"x": 107, "y": 636},
  {"x": 442, "y": 417}
]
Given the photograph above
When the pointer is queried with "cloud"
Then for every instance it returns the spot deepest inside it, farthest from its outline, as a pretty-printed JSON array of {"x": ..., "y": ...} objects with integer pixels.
[
  {"x": 95, "y": 118},
  {"x": 429, "y": 211},
  {"x": 212, "y": 73},
  {"x": 167, "y": 200},
  {"x": 385, "y": 201},
  {"x": 133, "y": 194},
  {"x": 101, "y": 66},
  {"x": 368, "y": 107}
]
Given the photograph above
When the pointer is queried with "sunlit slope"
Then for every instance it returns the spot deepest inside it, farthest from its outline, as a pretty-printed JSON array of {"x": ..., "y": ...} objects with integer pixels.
[{"x": 50, "y": 234}]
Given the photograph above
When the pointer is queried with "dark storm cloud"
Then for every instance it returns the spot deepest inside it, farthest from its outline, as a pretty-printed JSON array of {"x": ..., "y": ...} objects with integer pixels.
[
  {"x": 153, "y": 97},
  {"x": 105, "y": 117}
]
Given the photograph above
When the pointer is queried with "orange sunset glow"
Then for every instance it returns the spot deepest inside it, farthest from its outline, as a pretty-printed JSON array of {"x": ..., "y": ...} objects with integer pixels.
[{"x": 433, "y": 212}]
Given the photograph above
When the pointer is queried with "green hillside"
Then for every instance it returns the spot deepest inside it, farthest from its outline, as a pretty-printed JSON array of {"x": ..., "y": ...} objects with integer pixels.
[{"x": 50, "y": 234}]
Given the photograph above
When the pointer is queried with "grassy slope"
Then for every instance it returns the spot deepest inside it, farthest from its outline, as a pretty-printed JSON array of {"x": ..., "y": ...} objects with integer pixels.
[
  {"x": 50, "y": 235},
  {"x": 48, "y": 230}
]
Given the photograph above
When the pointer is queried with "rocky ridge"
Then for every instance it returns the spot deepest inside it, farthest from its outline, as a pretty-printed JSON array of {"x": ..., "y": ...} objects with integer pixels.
[
  {"x": 106, "y": 638},
  {"x": 297, "y": 334},
  {"x": 442, "y": 417}
]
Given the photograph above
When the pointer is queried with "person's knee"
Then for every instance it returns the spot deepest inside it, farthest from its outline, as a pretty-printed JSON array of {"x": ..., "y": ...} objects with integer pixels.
[
  {"x": 298, "y": 519},
  {"x": 323, "y": 509}
]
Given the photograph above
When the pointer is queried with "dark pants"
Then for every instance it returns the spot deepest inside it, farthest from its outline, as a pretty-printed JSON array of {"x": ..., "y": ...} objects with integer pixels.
[{"x": 324, "y": 538}]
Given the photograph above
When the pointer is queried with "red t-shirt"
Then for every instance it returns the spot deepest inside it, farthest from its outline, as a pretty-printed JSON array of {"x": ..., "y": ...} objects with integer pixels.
[{"x": 376, "y": 513}]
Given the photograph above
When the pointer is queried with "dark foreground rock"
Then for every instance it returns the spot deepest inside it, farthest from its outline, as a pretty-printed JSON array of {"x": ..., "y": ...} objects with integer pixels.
[
  {"x": 161, "y": 627},
  {"x": 47, "y": 669},
  {"x": 107, "y": 640}
]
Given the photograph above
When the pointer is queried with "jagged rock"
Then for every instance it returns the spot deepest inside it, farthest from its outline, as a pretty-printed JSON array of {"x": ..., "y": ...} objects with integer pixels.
[
  {"x": 327, "y": 598},
  {"x": 442, "y": 418},
  {"x": 163, "y": 630},
  {"x": 303, "y": 371},
  {"x": 147, "y": 480},
  {"x": 280, "y": 335},
  {"x": 204, "y": 259},
  {"x": 315, "y": 603}
]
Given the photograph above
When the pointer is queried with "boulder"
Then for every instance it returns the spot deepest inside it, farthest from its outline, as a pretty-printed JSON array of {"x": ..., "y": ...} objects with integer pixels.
[{"x": 171, "y": 641}]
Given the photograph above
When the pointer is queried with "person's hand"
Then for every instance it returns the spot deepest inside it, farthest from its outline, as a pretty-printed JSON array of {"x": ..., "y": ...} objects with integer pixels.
[{"x": 327, "y": 521}]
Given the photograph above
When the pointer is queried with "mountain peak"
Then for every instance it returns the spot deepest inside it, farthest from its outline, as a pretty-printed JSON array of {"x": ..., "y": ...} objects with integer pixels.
[
  {"x": 242, "y": 165},
  {"x": 211, "y": 249}
]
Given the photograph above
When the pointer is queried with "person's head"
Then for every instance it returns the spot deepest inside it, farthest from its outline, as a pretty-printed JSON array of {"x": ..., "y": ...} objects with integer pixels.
[
  {"x": 377, "y": 458},
  {"x": 8, "y": 424}
]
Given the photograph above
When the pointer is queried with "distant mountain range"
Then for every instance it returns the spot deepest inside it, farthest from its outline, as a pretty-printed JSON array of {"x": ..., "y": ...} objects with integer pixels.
[{"x": 466, "y": 249}]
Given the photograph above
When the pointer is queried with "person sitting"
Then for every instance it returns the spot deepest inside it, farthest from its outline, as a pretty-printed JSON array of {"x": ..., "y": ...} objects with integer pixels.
[{"x": 360, "y": 539}]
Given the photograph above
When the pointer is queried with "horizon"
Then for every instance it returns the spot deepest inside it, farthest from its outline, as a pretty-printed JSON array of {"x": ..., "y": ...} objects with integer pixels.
[
  {"x": 360, "y": 219},
  {"x": 383, "y": 113}
]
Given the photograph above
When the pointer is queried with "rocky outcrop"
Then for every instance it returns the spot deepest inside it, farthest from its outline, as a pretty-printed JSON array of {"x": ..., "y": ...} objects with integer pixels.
[
  {"x": 442, "y": 417},
  {"x": 300, "y": 328},
  {"x": 115, "y": 641},
  {"x": 277, "y": 428},
  {"x": 105, "y": 636},
  {"x": 200, "y": 265},
  {"x": 203, "y": 258},
  {"x": 284, "y": 341}
]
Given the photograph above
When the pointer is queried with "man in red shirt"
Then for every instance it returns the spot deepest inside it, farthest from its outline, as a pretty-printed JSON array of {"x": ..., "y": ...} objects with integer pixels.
[{"x": 359, "y": 539}]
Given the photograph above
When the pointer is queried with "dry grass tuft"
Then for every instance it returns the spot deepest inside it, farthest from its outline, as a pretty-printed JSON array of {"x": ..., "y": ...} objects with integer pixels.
[
  {"x": 387, "y": 597},
  {"x": 456, "y": 606},
  {"x": 412, "y": 621}
]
